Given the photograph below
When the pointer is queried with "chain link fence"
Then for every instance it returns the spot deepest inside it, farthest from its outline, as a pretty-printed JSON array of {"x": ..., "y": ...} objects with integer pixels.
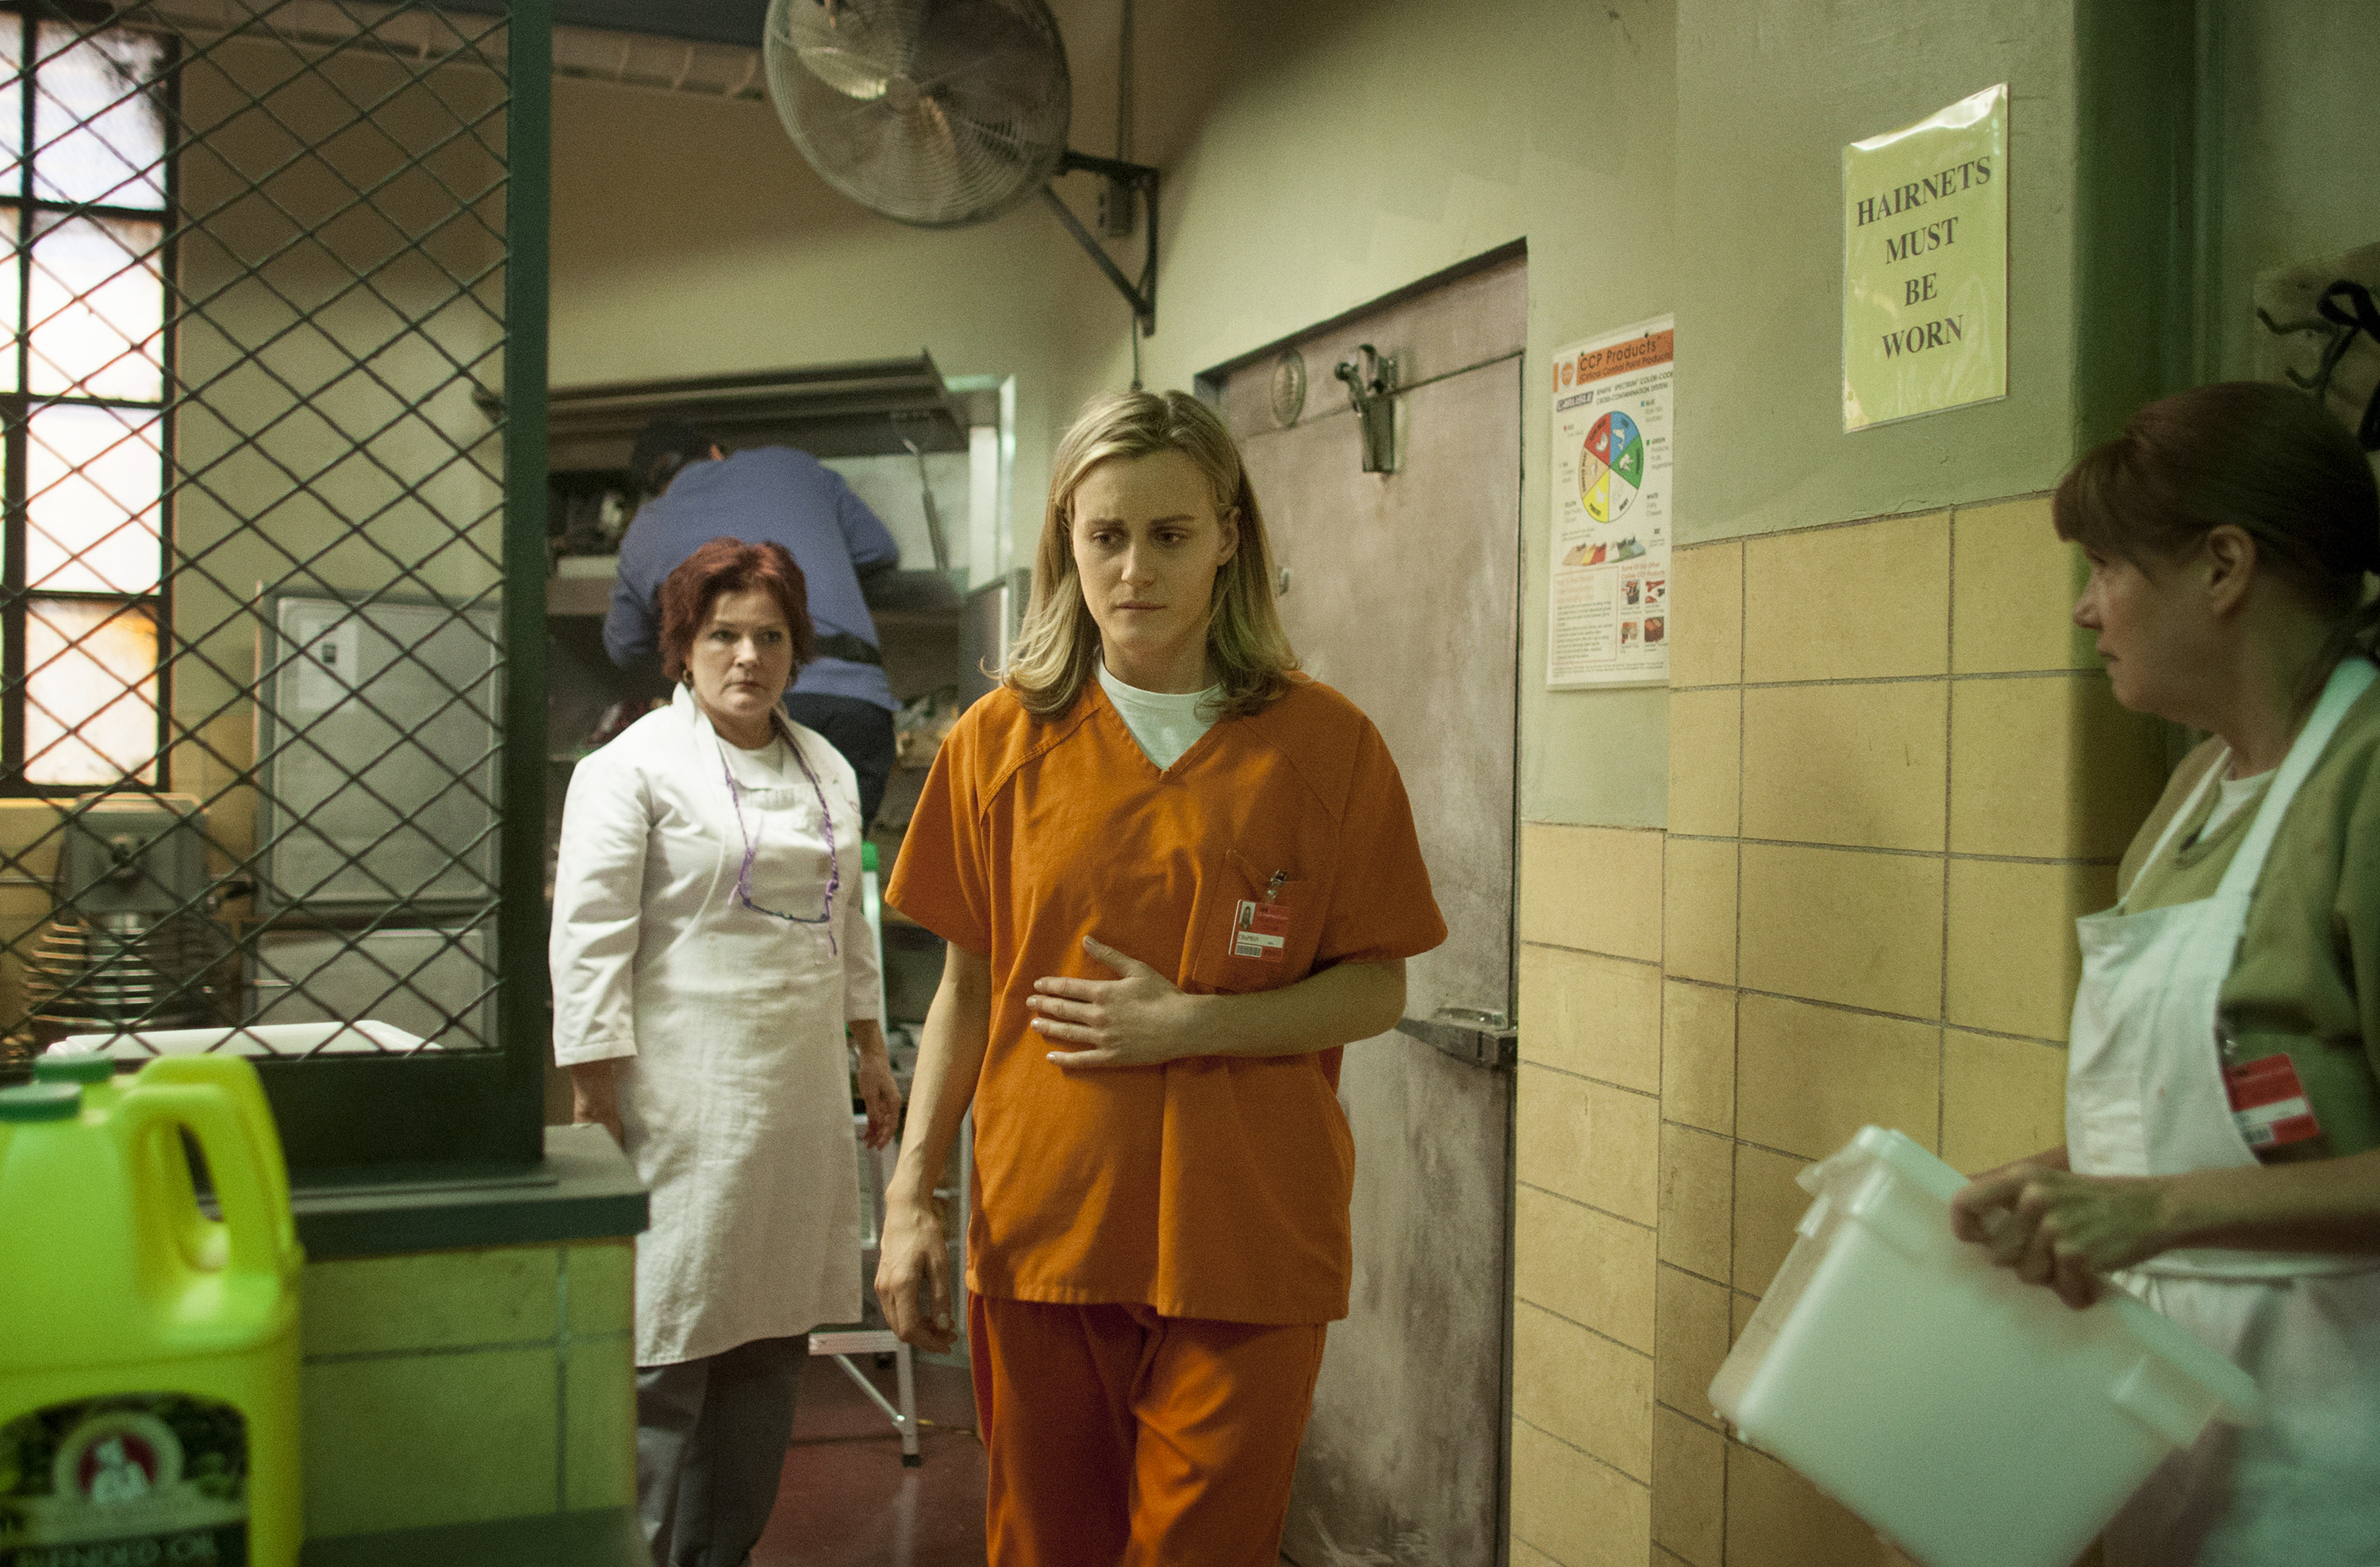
[{"x": 256, "y": 528}]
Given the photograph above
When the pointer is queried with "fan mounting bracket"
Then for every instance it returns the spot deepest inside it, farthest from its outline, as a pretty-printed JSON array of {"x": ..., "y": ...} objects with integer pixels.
[{"x": 1140, "y": 295}]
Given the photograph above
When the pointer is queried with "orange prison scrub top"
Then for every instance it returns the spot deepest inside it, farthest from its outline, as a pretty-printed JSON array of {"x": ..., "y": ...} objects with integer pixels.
[{"x": 1211, "y": 1187}]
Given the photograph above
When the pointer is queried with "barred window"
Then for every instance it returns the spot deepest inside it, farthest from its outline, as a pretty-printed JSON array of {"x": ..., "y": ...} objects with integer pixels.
[
  {"x": 86, "y": 190},
  {"x": 273, "y": 575}
]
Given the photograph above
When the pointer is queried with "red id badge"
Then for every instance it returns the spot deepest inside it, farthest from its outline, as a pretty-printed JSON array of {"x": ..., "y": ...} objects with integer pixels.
[
  {"x": 1259, "y": 930},
  {"x": 2268, "y": 1102}
]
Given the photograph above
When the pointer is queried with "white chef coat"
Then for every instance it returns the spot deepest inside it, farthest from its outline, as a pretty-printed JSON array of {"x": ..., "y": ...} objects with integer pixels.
[{"x": 734, "y": 1081}]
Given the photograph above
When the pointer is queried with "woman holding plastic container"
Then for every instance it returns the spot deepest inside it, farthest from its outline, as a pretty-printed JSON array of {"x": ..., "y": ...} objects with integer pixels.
[
  {"x": 1176, "y": 877},
  {"x": 2223, "y": 1081},
  {"x": 709, "y": 952}
]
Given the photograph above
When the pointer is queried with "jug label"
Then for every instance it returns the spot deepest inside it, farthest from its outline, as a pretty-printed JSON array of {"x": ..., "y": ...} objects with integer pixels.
[{"x": 129, "y": 1480}]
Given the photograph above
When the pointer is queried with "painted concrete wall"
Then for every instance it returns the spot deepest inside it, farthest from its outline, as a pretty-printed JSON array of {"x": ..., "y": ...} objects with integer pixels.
[
  {"x": 689, "y": 238},
  {"x": 2288, "y": 130},
  {"x": 1776, "y": 92},
  {"x": 1349, "y": 150},
  {"x": 1316, "y": 158},
  {"x": 2297, "y": 132}
]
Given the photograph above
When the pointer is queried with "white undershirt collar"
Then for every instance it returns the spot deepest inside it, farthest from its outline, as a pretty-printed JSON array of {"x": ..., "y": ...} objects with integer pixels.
[
  {"x": 2230, "y": 793},
  {"x": 1163, "y": 723}
]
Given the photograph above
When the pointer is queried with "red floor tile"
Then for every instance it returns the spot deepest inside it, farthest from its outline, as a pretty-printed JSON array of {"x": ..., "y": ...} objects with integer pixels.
[{"x": 846, "y": 1501}]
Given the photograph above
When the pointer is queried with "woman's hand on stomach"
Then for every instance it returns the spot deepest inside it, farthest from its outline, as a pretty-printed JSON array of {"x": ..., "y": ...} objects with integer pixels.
[
  {"x": 913, "y": 1274},
  {"x": 1142, "y": 1020},
  {"x": 1136, "y": 1019}
]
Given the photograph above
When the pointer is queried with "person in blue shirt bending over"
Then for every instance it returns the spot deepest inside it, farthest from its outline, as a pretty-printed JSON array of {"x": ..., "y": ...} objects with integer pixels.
[{"x": 767, "y": 495}]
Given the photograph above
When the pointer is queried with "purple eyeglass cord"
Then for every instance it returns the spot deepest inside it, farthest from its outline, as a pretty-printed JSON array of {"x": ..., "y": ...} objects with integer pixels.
[{"x": 752, "y": 847}]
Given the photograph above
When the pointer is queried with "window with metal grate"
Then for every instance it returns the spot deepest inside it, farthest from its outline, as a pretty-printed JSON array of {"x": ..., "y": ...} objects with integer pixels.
[
  {"x": 273, "y": 578},
  {"x": 85, "y": 186}
]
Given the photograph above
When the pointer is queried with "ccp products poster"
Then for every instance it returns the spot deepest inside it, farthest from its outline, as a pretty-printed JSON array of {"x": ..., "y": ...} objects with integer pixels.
[
  {"x": 1926, "y": 264},
  {"x": 1607, "y": 621}
]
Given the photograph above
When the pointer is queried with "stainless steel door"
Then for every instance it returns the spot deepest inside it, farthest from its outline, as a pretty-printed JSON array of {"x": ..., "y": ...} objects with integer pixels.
[{"x": 1403, "y": 592}]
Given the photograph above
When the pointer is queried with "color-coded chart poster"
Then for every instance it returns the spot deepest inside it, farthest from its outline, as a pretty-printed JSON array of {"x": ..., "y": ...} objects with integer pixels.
[
  {"x": 1608, "y": 619},
  {"x": 1926, "y": 264}
]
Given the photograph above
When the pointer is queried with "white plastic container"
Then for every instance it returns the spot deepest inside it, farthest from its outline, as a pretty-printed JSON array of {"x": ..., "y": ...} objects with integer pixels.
[
  {"x": 1970, "y": 1418},
  {"x": 362, "y": 1036}
]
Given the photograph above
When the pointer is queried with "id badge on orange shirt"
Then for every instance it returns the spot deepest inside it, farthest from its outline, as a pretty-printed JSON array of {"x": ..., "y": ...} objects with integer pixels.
[{"x": 1259, "y": 930}]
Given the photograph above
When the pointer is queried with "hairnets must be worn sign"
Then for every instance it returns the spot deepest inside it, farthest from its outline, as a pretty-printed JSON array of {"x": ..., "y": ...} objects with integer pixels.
[{"x": 1926, "y": 264}]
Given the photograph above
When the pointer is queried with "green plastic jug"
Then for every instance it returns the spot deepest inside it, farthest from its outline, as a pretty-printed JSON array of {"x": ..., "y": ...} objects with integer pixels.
[
  {"x": 148, "y": 1387},
  {"x": 103, "y": 1087}
]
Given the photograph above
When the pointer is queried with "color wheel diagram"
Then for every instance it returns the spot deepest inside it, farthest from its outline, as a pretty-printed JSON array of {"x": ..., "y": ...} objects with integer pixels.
[{"x": 1611, "y": 467}]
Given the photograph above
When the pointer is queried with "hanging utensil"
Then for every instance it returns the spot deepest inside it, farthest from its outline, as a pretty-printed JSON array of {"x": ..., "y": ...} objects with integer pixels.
[{"x": 933, "y": 512}]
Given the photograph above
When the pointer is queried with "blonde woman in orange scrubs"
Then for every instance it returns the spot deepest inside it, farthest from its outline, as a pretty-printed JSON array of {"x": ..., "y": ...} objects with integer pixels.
[{"x": 1176, "y": 877}]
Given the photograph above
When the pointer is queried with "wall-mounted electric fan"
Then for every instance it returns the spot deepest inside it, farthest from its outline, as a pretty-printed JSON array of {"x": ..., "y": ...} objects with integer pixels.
[{"x": 942, "y": 113}]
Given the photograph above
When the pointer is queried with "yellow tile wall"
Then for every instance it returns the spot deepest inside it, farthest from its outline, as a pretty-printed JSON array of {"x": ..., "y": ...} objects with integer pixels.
[
  {"x": 1855, "y": 764},
  {"x": 1775, "y": 1518},
  {"x": 1571, "y": 1508},
  {"x": 1592, "y": 1392},
  {"x": 1808, "y": 1078},
  {"x": 1700, "y": 929},
  {"x": 1707, "y": 583},
  {"x": 1597, "y": 1017},
  {"x": 1595, "y": 889},
  {"x": 1895, "y": 777},
  {"x": 1589, "y": 1142},
  {"x": 1870, "y": 600},
  {"x": 1856, "y": 929},
  {"x": 1706, "y": 746},
  {"x": 1689, "y": 1488},
  {"x": 1552, "y": 1234},
  {"x": 1587, "y": 1211},
  {"x": 1698, "y": 1055},
  {"x": 456, "y": 1386},
  {"x": 1698, "y": 1183},
  {"x": 1767, "y": 1204}
]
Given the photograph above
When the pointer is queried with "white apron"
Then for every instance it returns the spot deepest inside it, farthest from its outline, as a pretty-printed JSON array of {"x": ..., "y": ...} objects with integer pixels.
[
  {"x": 736, "y": 1104},
  {"x": 2145, "y": 1095}
]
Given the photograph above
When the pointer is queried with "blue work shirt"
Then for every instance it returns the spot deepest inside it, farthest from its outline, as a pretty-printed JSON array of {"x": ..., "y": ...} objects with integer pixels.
[{"x": 769, "y": 495}]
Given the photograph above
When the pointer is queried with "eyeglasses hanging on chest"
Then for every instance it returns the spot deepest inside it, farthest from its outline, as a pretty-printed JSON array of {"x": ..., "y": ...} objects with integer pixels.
[{"x": 751, "y": 840}]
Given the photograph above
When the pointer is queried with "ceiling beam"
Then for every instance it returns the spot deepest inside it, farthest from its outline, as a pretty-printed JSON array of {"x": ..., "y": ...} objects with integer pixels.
[{"x": 736, "y": 22}]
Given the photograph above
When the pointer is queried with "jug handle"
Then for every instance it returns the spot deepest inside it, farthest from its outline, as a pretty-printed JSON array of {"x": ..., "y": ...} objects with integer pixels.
[
  {"x": 249, "y": 1102},
  {"x": 233, "y": 1159}
]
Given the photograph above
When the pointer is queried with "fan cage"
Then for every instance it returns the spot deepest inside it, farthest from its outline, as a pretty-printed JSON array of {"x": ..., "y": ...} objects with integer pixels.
[{"x": 938, "y": 115}]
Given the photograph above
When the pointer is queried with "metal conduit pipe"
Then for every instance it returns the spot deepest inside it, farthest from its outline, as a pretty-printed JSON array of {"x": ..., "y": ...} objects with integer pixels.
[{"x": 621, "y": 59}]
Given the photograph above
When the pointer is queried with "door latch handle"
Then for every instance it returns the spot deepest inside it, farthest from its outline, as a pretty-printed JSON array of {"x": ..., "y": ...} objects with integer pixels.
[
  {"x": 1371, "y": 378},
  {"x": 1482, "y": 1038}
]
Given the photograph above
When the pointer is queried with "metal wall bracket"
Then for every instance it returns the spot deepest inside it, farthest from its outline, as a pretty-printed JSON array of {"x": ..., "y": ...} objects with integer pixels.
[
  {"x": 1141, "y": 295},
  {"x": 1482, "y": 1038},
  {"x": 1371, "y": 378}
]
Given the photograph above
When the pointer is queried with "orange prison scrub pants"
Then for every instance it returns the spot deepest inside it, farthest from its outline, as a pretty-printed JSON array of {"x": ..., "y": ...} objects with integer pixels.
[{"x": 1118, "y": 1438}]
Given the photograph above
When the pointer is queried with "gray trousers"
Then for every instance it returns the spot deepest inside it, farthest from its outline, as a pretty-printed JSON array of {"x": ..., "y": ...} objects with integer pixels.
[{"x": 710, "y": 1445}]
